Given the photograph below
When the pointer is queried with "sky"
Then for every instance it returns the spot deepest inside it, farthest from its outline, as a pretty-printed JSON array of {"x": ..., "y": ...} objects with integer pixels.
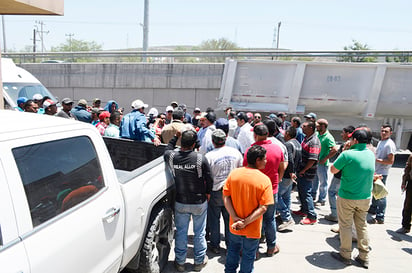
[{"x": 305, "y": 24}]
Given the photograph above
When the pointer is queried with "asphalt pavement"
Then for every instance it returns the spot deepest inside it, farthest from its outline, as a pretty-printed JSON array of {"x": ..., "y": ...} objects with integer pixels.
[{"x": 307, "y": 248}]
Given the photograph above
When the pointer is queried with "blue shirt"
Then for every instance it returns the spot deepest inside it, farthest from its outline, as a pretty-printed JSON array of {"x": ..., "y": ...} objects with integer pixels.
[
  {"x": 133, "y": 126},
  {"x": 82, "y": 114}
]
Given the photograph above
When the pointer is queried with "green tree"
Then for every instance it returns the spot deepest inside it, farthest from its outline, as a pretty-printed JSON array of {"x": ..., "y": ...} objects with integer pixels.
[
  {"x": 357, "y": 57},
  {"x": 213, "y": 45},
  {"x": 76, "y": 45}
]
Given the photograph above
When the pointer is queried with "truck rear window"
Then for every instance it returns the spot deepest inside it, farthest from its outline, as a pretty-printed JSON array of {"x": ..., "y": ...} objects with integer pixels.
[{"x": 58, "y": 175}]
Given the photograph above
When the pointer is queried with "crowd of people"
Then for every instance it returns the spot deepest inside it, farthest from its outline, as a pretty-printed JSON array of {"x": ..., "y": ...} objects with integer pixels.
[{"x": 243, "y": 168}]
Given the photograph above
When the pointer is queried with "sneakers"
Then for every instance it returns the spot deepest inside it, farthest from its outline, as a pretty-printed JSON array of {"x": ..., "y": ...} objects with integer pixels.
[
  {"x": 308, "y": 221},
  {"x": 331, "y": 218},
  {"x": 320, "y": 203},
  {"x": 198, "y": 267},
  {"x": 337, "y": 256},
  {"x": 179, "y": 267},
  {"x": 403, "y": 230},
  {"x": 286, "y": 224},
  {"x": 376, "y": 221},
  {"x": 272, "y": 251},
  {"x": 214, "y": 250},
  {"x": 299, "y": 213},
  {"x": 363, "y": 263}
]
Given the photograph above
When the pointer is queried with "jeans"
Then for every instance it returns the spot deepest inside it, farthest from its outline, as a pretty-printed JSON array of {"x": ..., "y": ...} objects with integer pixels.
[
  {"x": 183, "y": 212},
  {"x": 332, "y": 193},
  {"x": 306, "y": 200},
  {"x": 216, "y": 207},
  {"x": 248, "y": 247},
  {"x": 269, "y": 224},
  {"x": 353, "y": 212},
  {"x": 321, "y": 181},
  {"x": 379, "y": 206},
  {"x": 407, "y": 207},
  {"x": 283, "y": 203}
]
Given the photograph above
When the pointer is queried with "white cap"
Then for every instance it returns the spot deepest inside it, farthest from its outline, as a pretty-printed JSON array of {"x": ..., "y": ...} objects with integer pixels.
[
  {"x": 169, "y": 108},
  {"x": 153, "y": 111},
  {"x": 137, "y": 104},
  {"x": 37, "y": 96}
]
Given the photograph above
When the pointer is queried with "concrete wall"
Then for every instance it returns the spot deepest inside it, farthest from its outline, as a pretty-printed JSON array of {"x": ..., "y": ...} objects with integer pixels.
[{"x": 196, "y": 85}]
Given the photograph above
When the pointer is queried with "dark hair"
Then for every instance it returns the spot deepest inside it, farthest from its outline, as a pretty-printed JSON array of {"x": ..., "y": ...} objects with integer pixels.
[
  {"x": 311, "y": 124},
  {"x": 387, "y": 125},
  {"x": 254, "y": 153},
  {"x": 114, "y": 115},
  {"x": 361, "y": 135},
  {"x": 261, "y": 130},
  {"x": 272, "y": 127},
  {"x": 189, "y": 138},
  {"x": 211, "y": 116},
  {"x": 209, "y": 109},
  {"x": 178, "y": 113},
  {"x": 232, "y": 114},
  {"x": 349, "y": 129},
  {"x": 296, "y": 120},
  {"x": 28, "y": 103},
  {"x": 291, "y": 131}
]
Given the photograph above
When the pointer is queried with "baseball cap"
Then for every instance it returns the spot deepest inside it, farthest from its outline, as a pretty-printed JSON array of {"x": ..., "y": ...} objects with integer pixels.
[
  {"x": 218, "y": 136},
  {"x": 311, "y": 115},
  {"x": 249, "y": 115},
  {"x": 37, "y": 97},
  {"x": 271, "y": 116},
  {"x": 322, "y": 121},
  {"x": 169, "y": 108},
  {"x": 360, "y": 134},
  {"x": 48, "y": 103},
  {"x": 21, "y": 100},
  {"x": 242, "y": 115},
  {"x": 96, "y": 99},
  {"x": 222, "y": 124},
  {"x": 197, "y": 109},
  {"x": 67, "y": 101},
  {"x": 137, "y": 104},
  {"x": 103, "y": 115},
  {"x": 95, "y": 110},
  {"x": 183, "y": 106},
  {"x": 211, "y": 116},
  {"x": 281, "y": 114},
  {"x": 82, "y": 102},
  {"x": 173, "y": 103}
]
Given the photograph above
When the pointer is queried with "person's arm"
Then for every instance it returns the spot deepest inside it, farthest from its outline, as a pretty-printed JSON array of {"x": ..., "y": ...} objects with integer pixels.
[
  {"x": 406, "y": 172},
  {"x": 257, "y": 213},
  {"x": 227, "y": 200},
  {"x": 281, "y": 170},
  {"x": 333, "y": 169},
  {"x": 307, "y": 166},
  {"x": 387, "y": 161},
  {"x": 332, "y": 152},
  {"x": 172, "y": 143}
]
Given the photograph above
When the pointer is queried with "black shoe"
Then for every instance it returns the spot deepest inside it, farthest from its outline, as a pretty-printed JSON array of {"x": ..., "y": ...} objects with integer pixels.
[
  {"x": 375, "y": 221},
  {"x": 337, "y": 256},
  {"x": 364, "y": 264},
  {"x": 215, "y": 250},
  {"x": 198, "y": 267},
  {"x": 179, "y": 267}
]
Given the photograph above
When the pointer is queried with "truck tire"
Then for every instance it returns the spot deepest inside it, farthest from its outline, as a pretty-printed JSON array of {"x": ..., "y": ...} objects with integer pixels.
[{"x": 156, "y": 248}]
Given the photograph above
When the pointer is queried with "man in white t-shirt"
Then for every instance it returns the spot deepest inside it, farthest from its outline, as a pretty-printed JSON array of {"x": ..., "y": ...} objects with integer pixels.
[
  {"x": 385, "y": 156},
  {"x": 245, "y": 136},
  {"x": 222, "y": 160}
]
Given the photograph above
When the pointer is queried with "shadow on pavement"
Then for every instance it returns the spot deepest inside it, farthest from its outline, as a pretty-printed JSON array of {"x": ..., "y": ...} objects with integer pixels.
[
  {"x": 399, "y": 237},
  {"x": 324, "y": 260},
  {"x": 407, "y": 250}
]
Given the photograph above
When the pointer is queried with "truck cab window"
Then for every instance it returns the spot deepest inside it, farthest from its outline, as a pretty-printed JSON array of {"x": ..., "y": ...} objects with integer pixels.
[{"x": 58, "y": 175}]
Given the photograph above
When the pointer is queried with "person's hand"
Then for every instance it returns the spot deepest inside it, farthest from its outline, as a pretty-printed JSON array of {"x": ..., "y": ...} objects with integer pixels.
[
  {"x": 301, "y": 173},
  {"x": 377, "y": 176},
  {"x": 293, "y": 176},
  {"x": 208, "y": 197},
  {"x": 178, "y": 134},
  {"x": 156, "y": 141},
  {"x": 239, "y": 224},
  {"x": 323, "y": 161},
  {"x": 403, "y": 186}
]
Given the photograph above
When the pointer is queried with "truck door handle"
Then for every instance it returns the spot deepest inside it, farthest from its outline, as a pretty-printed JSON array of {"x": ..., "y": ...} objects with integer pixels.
[{"x": 110, "y": 214}]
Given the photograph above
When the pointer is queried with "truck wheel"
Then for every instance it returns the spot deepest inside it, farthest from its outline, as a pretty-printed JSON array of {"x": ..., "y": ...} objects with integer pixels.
[{"x": 157, "y": 244}]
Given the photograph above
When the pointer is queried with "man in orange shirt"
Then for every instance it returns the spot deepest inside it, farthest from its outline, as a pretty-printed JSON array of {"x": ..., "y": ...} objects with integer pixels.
[{"x": 246, "y": 195}]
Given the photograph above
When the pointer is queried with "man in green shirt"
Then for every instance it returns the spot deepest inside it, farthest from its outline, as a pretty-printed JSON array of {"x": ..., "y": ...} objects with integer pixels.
[
  {"x": 328, "y": 149},
  {"x": 358, "y": 167}
]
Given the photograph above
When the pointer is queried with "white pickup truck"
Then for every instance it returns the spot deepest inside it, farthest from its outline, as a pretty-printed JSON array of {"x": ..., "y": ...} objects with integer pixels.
[{"x": 73, "y": 202}]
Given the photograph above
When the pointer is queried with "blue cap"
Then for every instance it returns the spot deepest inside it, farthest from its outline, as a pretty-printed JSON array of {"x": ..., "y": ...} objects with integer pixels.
[
  {"x": 222, "y": 123},
  {"x": 21, "y": 100}
]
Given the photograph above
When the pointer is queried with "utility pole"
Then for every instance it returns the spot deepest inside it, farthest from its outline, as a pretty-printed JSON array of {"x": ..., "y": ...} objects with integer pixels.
[
  {"x": 4, "y": 34},
  {"x": 70, "y": 35},
  {"x": 146, "y": 27},
  {"x": 277, "y": 41},
  {"x": 41, "y": 32}
]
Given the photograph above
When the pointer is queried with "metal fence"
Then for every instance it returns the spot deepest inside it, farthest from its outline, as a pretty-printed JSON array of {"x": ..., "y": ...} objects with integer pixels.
[{"x": 211, "y": 56}]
